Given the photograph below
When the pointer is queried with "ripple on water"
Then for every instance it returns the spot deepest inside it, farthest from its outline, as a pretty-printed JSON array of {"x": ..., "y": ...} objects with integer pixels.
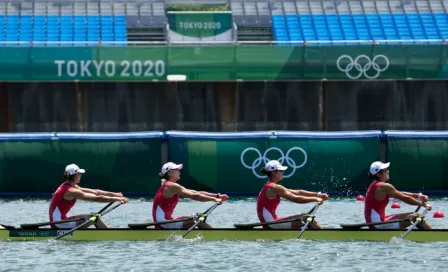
[{"x": 194, "y": 254}]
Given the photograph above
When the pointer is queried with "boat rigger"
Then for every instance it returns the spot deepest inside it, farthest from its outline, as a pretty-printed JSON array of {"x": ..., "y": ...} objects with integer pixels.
[{"x": 221, "y": 234}]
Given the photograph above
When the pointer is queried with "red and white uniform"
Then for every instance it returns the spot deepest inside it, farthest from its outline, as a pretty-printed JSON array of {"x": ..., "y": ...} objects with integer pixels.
[
  {"x": 163, "y": 208},
  {"x": 375, "y": 210},
  {"x": 266, "y": 208},
  {"x": 59, "y": 207}
]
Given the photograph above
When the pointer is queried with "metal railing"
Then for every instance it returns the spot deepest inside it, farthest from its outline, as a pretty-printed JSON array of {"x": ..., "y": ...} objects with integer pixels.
[{"x": 231, "y": 42}]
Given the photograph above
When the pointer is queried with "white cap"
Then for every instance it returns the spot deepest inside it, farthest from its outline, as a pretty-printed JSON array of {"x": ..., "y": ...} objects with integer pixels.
[
  {"x": 170, "y": 166},
  {"x": 73, "y": 169},
  {"x": 377, "y": 166},
  {"x": 275, "y": 165}
]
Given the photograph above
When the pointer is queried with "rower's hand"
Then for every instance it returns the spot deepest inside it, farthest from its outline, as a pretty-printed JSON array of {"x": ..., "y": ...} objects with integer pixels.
[
  {"x": 323, "y": 196},
  {"x": 219, "y": 201},
  {"x": 423, "y": 198},
  {"x": 118, "y": 194},
  {"x": 123, "y": 200},
  {"x": 224, "y": 197},
  {"x": 428, "y": 206},
  {"x": 319, "y": 200}
]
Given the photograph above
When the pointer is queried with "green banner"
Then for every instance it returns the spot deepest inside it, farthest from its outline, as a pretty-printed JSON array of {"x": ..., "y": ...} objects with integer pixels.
[
  {"x": 118, "y": 165},
  {"x": 200, "y": 25},
  {"x": 257, "y": 62},
  {"x": 418, "y": 163},
  {"x": 314, "y": 164}
]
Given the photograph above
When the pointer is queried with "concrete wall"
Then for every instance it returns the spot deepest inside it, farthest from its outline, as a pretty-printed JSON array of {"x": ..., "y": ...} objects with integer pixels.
[{"x": 223, "y": 106}]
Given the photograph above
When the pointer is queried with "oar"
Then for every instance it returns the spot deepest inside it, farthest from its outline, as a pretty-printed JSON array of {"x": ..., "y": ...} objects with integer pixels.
[
  {"x": 37, "y": 225},
  {"x": 309, "y": 219},
  {"x": 201, "y": 219},
  {"x": 259, "y": 224},
  {"x": 253, "y": 225},
  {"x": 7, "y": 227},
  {"x": 92, "y": 219},
  {"x": 145, "y": 225},
  {"x": 418, "y": 220},
  {"x": 357, "y": 226}
]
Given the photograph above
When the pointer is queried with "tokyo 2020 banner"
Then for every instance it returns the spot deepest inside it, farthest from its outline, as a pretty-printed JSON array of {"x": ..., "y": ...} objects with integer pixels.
[{"x": 215, "y": 63}]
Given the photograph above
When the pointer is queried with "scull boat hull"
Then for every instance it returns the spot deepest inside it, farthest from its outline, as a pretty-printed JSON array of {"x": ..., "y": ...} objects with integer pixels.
[{"x": 224, "y": 234}]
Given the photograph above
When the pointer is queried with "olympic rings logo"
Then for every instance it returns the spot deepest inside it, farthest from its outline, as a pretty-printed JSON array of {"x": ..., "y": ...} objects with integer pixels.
[
  {"x": 263, "y": 158},
  {"x": 362, "y": 64}
]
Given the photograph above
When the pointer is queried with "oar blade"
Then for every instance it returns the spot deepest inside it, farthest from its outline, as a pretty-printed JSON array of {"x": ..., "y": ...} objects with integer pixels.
[{"x": 7, "y": 227}]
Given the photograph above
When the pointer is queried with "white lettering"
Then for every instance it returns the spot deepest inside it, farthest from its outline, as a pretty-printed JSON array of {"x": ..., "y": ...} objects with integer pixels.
[
  {"x": 98, "y": 66},
  {"x": 59, "y": 64},
  {"x": 160, "y": 68},
  {"x": 125, "y": 72},
  {"x": 72, "y": 68},
  {"x": 110, "y": 68},
  {"x": 85, "y": 68},
  {"x": 200, "y": 25},
  {"x": 137, "y": 68},
  {"x": 149, "y": 64}
]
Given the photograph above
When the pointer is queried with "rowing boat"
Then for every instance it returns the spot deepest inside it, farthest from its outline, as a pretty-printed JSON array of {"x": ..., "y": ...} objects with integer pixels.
[{"x": 229, "y": 234}]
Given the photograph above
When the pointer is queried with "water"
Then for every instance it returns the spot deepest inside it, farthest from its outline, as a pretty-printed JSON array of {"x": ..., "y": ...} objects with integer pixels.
[{"x": 197, "y": 255}]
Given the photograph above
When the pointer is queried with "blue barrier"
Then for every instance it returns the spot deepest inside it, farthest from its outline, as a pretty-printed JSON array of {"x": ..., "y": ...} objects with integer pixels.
[{"x": 406, "y": 149}]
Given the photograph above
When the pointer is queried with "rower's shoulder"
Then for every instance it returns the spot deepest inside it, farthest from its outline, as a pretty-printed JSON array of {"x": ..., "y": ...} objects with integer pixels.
[
  {"x": 385, "y": 186},
  {"x": 172, "y": 185},
  {"x": 276, "y": 186}
]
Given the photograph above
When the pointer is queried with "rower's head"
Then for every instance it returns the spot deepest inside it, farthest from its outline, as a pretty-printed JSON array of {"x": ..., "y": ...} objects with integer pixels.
[
  {"x": 73, "y": 173},
  {"x": 379, "y": 171},
  {"x": 170, "y": 171},
  {"x": 274, "y": 170}
]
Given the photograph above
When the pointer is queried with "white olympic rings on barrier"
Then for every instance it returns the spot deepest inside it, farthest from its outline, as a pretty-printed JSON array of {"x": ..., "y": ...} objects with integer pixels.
[
  {"x": 263, "y": 159},
  {"x": 362, "y": 67}
]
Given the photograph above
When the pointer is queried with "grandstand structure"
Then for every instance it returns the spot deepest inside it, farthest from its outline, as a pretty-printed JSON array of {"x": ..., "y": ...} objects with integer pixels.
[{"x": 125, "y": 22}]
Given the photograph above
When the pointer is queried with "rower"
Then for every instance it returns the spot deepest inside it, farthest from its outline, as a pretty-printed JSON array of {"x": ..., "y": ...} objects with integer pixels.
[
  {"x": 269, "y": 199},
  {"x": 68, "y": 192},
  {"x": 168, "y": 195},
  {"x": 377, "y": 199}
]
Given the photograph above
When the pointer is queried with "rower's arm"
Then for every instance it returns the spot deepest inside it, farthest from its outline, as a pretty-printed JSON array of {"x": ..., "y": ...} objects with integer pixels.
[
  {"x": 303, "y": 193},
  {"x": 392, "y": 192},
  {"x": 285, "y": 193},
  {"x": 79, "y": 194},
  {"x": 221, "y": 196},
  {"x": 207, "y": 193},
  {"x": 195, "y": 195},
  {"x": 414, "y": 195},
  {"x": 98, "y": 192}
]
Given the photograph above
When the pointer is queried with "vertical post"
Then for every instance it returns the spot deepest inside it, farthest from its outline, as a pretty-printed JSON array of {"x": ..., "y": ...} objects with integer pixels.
[
  {"x": 5, "y": 109},
  {"x": 226, "y": 96},
  {"x": 81, "y": 107},
  {"x": 164, "y": 152},
  {"x": 236, "y": 125},
  {"x": 323, "y": 106}
]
